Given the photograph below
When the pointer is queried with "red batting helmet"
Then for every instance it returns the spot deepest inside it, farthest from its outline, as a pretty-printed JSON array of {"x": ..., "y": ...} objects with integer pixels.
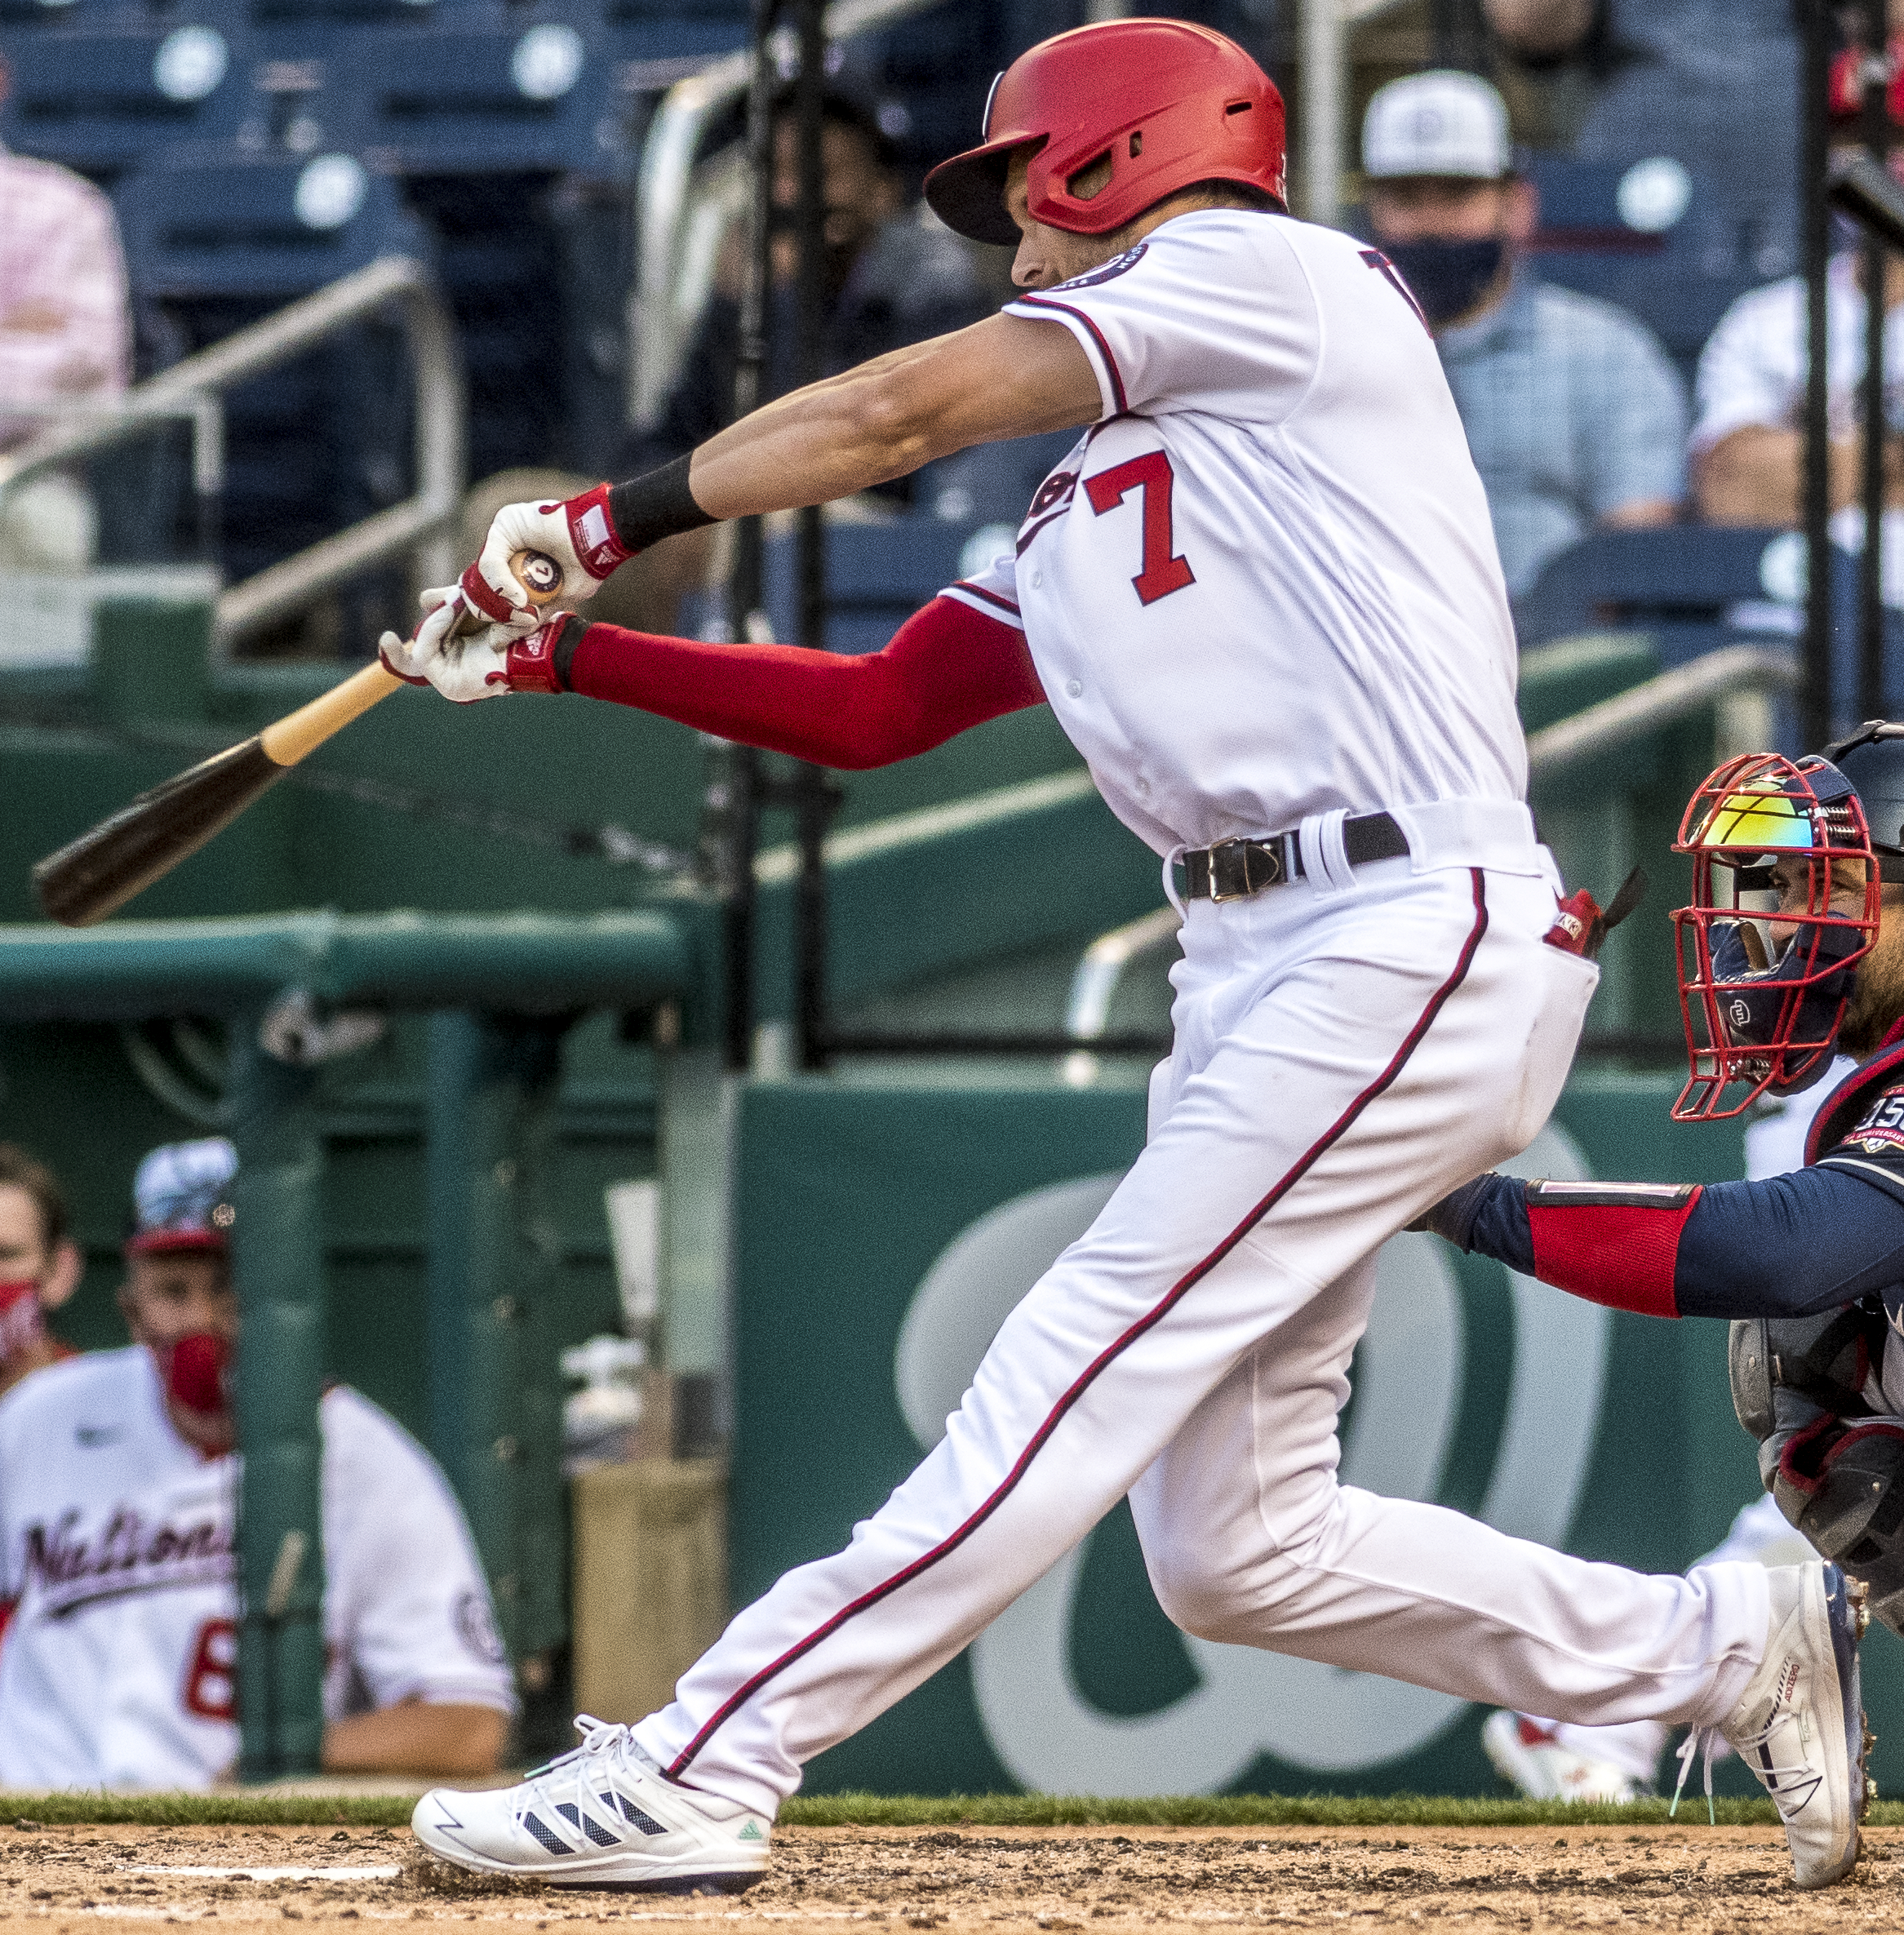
[{"x": 1170, "y": 103}]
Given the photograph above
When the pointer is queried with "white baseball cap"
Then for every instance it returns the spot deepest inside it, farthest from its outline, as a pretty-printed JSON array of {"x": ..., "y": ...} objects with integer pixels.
[{"x": 1440, "y": 122}]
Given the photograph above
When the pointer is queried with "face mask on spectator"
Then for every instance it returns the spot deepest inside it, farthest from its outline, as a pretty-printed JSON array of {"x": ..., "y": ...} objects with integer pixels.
[
  {"x": 1448, "y": 277},
  {"x": 195, "y": 1368},
  {"x": 20, "y": 1327}
]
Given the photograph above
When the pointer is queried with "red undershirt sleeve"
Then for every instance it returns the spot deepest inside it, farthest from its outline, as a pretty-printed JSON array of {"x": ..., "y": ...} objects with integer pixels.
[{"x": 948, "y": 668}]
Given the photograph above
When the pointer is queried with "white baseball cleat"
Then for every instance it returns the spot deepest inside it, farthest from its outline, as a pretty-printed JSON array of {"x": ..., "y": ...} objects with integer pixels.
[
  {"x": 1528, "y": 1756},
  {"x": 1799, "y": 1726},
  {"x": 601, "y": 1816}
]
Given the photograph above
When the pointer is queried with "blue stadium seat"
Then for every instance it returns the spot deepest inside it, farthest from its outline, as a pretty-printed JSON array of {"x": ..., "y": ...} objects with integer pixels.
[
  {"x": 479, "y": 98},
  {"x": 877, "y": 576},
  {"x": 1651, "y": 235},
  {"x": 653, "y": 48},
  {"x": 1678, "y": 583},
  {"x": 102, "y": 99},
  {"x": 1693, "y": 589},
  {"x": 273, "y": 226}
]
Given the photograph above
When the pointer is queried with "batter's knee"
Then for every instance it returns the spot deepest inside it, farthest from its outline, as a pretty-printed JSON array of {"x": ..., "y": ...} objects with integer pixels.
[
  {"x": 1212, "y": 1593},
  {"x": 1203, "y": 1596}
]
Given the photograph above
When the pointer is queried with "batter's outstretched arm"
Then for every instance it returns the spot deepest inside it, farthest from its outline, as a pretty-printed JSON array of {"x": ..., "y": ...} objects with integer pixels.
[
  {"x": 948, "y": 668},
  {"x": 1002, "y": 377},
  {"x": 1005, "y": 377},
  {"x": 1789, "y": 1245}
]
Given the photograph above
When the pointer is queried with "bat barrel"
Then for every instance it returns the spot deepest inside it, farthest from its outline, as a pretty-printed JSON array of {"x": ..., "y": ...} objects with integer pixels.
[{"x": 99, "y": 872}]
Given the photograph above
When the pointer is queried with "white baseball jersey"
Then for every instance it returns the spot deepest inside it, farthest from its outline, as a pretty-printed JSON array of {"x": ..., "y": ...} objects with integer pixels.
[
  {"x": 1753, "y": 367},
  {"x": 116, "y": 1543},
  {"x": 1264, "y": 586}
]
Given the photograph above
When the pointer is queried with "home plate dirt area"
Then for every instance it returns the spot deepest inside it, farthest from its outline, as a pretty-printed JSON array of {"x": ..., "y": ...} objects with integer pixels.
[{"x": 62, "y": 1880}]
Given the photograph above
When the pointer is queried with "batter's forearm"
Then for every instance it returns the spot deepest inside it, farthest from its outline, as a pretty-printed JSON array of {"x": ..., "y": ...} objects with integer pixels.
[
  {"x": 948, "y": 668},
  {"x": 1002, "y": 377}
]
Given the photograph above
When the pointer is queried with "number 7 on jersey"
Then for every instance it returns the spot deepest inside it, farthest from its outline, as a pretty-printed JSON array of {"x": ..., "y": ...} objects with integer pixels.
[{"x": 1152, "y": 475}]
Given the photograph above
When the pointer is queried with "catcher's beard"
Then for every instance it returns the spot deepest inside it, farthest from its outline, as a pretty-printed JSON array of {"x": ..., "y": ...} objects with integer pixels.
[{"x": 1877, "y": 994}]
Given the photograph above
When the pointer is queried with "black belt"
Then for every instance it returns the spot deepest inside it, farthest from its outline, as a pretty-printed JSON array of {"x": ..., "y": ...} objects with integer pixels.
[{"x": 1234, "y": 869}]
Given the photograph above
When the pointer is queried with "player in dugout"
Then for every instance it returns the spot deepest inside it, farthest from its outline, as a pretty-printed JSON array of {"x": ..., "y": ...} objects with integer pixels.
[
  {"x": 1791, "y": 954},
  {"x": 118, "y": 1489},
  {"x": 40, "y": 1265},
  {"x": 1263, "y": 597}
]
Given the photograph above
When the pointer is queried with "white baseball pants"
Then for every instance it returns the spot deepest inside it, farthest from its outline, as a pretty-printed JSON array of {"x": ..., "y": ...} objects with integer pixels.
[{"x": 1343, "y": 1058}]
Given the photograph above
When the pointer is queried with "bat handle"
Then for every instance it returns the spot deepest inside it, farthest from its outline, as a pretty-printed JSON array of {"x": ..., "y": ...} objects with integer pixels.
[{"x": 536, "y": 572}]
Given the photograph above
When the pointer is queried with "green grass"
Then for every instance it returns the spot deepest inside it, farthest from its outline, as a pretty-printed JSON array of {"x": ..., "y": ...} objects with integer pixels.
[{"x": 984, "y": 1810}]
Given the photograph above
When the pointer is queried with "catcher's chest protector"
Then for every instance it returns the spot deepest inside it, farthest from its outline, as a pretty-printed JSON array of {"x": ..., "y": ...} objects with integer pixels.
[{"x": 1836, "y": 1467}]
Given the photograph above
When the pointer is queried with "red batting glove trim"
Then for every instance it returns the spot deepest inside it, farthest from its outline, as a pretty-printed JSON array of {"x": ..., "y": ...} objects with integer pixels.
[
  {"x": 1621, "y": 1253},
  {"x": 592, "y": 531},
  {"x": 530, "y": 663},
  {"x": 486, "y": 599},
  {"x": 409, "y": 678}
]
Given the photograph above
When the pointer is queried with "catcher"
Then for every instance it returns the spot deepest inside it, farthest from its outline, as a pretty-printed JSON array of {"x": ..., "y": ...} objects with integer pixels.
[{"x": 1792, "y": 951}]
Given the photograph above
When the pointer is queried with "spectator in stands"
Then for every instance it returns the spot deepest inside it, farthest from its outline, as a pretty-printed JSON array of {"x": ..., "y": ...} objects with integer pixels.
[
  {"x": 1748, "y": 435},
  {"x": 1575, "y": 416},
  {"x": 894, "y": 276},
  {"x": 118, "y": 1522},
  {"x": 40, "y": 1265},
  {"x": 65, "y": 335},
  {"x": 1619, "y": 80}
]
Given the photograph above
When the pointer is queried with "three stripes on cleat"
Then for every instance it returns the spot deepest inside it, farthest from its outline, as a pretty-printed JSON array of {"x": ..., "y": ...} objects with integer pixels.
[{"x": 602, "y": 1837}]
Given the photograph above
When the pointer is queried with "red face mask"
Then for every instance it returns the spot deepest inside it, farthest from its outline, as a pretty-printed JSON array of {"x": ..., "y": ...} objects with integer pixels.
[
  {"x": 21, "y": 1324},
  {"x": 195, "y": 1371}
]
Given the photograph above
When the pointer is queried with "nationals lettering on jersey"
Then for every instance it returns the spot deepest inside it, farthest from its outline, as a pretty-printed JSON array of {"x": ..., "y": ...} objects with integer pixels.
[
  {"x": 1264, "y": 585},
  {"x": 65, "y": 1570},
  {"x": 117, "y": 1542}
]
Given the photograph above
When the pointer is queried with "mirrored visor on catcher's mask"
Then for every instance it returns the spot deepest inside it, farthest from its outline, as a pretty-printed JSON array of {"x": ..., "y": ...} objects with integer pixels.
[{"x": 1757, "y": 822}]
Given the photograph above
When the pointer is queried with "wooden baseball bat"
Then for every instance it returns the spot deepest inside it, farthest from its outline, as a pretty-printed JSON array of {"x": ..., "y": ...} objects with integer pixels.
[{"x": 96, "y": 874}]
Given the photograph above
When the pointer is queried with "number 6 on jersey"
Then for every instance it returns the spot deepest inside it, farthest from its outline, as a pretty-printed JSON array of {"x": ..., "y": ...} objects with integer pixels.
[{"x": 1152, "y": 475}]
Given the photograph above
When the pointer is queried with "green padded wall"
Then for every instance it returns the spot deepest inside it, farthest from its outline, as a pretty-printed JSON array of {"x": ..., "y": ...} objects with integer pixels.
[{"x": 849, "y": 1196}]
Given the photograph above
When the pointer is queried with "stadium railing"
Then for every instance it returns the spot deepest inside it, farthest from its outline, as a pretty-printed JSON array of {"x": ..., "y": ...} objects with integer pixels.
[{"x": 419, "y": 526}]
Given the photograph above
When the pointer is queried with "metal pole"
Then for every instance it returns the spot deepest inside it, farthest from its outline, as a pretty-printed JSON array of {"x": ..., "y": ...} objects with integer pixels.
[
  {"x": 746, "y": 583},
  {"x": 495, "y": 1421},
  {"x": 1323, "y": 86},
  {"x": 813, "y": 791},
  {"x": 278, "y": 1266},
  {"x": 1875, "y": 80},
  {"x": 1814, "y": 27},
  {"x": 472, "y": 1319}
]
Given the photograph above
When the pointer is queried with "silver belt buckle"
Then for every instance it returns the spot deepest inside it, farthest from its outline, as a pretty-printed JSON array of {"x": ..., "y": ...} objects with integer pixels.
[{"x": 1272, "y": 858}]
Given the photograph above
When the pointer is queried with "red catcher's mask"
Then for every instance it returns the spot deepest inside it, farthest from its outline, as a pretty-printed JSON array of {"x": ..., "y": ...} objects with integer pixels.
[
  {"x": 22, "y": 1323},
  {"x": 1761, "y": 992},
  {"x": 195, "y": 1373}
]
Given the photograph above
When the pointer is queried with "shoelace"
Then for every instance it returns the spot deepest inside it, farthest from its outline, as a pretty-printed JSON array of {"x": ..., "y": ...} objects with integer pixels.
[
  {"x": 599, "y": 1737},
  {"x": 1709, "y": 1738}
]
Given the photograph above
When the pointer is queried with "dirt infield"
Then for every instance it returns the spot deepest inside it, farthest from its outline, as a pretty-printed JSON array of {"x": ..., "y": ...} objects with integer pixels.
[{"x": 62, "y": 1881}]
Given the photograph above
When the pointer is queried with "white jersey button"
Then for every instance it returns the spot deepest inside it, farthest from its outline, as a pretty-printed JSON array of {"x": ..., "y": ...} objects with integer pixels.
[{"x": 1074, "y": 686}]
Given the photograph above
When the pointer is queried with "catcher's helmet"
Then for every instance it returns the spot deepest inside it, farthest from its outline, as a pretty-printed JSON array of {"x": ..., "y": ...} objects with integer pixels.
[
  {"x": 1170, "y": 103},
  {"x": 1872, "y": 759}
]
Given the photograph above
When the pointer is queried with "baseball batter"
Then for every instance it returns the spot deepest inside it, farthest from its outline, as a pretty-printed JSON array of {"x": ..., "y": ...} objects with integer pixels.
[
  {"x": 119, "y": 1491},
  {"x": 1263, "y": 597}
]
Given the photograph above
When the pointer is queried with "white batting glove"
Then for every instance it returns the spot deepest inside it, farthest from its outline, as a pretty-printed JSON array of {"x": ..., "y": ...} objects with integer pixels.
[
  {"x": 578, "y": 535},
  {"x": 469, "y": 666},
  {"x": 463, "y": 668}
]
